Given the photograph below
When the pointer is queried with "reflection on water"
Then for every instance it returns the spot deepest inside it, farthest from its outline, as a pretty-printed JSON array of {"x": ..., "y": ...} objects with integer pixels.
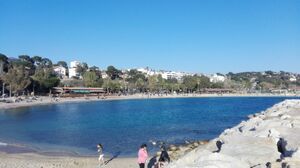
[{"x": 17, "y": 112}]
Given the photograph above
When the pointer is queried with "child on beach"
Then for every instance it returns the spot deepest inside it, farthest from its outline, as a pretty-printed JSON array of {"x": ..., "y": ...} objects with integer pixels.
[
  {"x": 101, "y": 155},
  {"x": 142, "y": 155}
]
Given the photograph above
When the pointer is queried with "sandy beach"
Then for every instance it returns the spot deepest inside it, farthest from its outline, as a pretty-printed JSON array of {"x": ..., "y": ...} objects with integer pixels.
[
  {"x": 30, "y": 160},
  {"x": 46, "y": 100}
]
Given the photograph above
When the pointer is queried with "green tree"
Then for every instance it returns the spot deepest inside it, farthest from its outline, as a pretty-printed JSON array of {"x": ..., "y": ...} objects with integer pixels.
[
  {"x": 172, "y": 85},
  {"x": 46, "y": 63},
  {"x": 152, "y": 83},
  {"x": 217, "y": 85},
  {"x": 96, "y": 70},
  {"x": 113, "y": 73},
  {"x": 3, "y": 57},
  {"x": 91, "y": 79},
  {"x": 17, "y": 79},
  {"x": 63, "y": 64},
  {"x": 82, "y": 68},
  {"x": 112, "y": 86},
  {"x": 37, "y": 60},
  {"x": 25, "y": 58},
  {"x": 3, "y": 63},
  {"x": 140, "y": 84},
  {"x": 45, "y": 79},
  {"x": 161, "y": 84},
  {"x": 189, "y": 83},
  {"x": 134, "y": 75},
  {"x": 203, "y": 82},
  {"x": 106, "y": 84},
  {"x": 72, "y": 83},
  {"x": 25, "y": 61}
]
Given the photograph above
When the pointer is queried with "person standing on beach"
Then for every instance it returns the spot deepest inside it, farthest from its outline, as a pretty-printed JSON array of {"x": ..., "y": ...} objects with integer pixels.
[
  {"x": 101, "y": 155},
  {"x": 142, "y": 155},
  {"x": 164, "y": 157}
]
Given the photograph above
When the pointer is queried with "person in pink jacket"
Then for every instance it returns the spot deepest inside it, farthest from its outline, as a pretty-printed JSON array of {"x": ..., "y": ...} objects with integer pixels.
[{"x": 142, "y": 156}]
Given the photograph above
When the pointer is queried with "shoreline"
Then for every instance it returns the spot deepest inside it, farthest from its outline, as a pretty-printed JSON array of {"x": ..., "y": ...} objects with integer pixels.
[
  {"x": 45, "y": 100},
  {"x": 186, "y": 156},
  {"x": 32, "y": 160}
]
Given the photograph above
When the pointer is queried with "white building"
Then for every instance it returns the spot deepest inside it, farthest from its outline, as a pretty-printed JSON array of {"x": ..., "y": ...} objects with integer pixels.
[
  {"x": 73, "y": 69},
  {"x": 147, "y": 71},
  {"x": 293, "y": 78},
  {"x": 215, "y": 78},
  {"x": 104, "y": 74},
  {"x": 60, "y": 71},
  {"x": 173, "y": 75},
  {"x": 164, "y": 74}
]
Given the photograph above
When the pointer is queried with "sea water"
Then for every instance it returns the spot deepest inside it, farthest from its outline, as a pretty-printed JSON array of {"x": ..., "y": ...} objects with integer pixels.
[{"x": 121, "y": 126}]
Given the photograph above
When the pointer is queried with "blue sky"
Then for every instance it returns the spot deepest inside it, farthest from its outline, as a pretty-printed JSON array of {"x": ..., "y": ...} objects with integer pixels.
[{"x": 185, "y": 35}]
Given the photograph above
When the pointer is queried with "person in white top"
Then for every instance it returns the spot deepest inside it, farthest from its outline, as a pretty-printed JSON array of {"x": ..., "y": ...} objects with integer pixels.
[{"x": 101, "y": 155}]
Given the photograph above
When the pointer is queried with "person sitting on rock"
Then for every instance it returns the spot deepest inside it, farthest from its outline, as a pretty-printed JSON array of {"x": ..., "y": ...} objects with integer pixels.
[
  {"x": 281, "y": 147},
  {"x": 164, "y": 157},
  {"x": 219, "y": 144},
  {"x": 268, "y": 165}
]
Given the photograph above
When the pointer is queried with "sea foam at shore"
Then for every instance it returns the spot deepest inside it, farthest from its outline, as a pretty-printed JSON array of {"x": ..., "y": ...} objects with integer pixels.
[{"x": 3, "y": 144}]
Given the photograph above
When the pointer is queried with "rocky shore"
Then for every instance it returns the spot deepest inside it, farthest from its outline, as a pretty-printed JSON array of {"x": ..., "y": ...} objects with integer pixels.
[{"x": 268, "y": 139}]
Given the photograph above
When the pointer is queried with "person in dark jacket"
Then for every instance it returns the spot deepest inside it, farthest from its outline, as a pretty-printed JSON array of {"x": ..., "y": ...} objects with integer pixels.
[{"x": 164, "y": 157}]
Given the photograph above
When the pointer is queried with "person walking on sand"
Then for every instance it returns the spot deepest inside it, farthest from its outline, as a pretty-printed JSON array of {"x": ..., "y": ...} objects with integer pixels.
[
  {"x": 101, "y": 155},
  {"x": 142, "y": 155}
]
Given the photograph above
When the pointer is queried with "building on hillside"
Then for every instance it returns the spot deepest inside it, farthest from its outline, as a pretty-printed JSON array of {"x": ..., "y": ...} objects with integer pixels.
[
  {"x": 124, "y": 74},
  {"x": 167, "y": 75},
  {"x": 293, "y": 78},
  {"x": 73, "y": 69},
  {"x": 147, "y": 71},
  {"x": 173, "y": 75},
  {"x": 104, "y": 75},
  {"x": 60, "y": 71},
  {"x": 164, "y": 74},
  {"x": 215, "y": 78}
]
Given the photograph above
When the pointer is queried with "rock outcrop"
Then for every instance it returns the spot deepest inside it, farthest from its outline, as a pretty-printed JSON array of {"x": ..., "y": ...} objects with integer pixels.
[{"x": 270, "y": 138}]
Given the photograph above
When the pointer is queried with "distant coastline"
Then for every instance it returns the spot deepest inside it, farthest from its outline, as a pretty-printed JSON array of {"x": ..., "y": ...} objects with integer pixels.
[{"x": 46, "y": 100}]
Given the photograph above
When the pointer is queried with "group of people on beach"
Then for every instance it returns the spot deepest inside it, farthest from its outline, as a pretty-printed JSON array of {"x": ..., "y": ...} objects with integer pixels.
[{"x": 142, "y": 156}]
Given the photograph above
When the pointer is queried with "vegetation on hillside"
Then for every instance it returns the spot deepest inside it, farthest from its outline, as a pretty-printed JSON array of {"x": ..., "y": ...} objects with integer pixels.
[{"x": 35, "y": 74}]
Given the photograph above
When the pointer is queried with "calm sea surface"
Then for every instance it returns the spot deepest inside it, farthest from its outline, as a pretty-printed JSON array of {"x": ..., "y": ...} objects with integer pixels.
[{"x": 122, "y": 125}]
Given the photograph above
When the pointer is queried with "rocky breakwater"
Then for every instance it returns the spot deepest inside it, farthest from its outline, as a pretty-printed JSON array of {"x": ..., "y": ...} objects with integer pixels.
[
  {"x": 268, "y": 139},
  {"x": 177, "y": 151}
]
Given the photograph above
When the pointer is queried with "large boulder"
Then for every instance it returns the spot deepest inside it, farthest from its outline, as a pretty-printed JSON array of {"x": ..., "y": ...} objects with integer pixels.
[
  {"x": 252, "y": 150},
  {"x": 208, "y": 159}
]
